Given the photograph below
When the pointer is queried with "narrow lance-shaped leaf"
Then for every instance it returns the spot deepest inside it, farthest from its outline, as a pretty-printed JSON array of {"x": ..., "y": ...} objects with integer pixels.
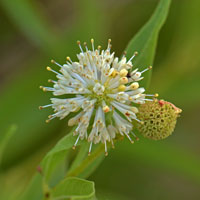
[{"x": 146, "y": 39}]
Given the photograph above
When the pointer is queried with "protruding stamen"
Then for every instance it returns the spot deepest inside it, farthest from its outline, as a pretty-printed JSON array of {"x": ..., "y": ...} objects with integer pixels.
[
  {"x": 106, "y": 151},
  {"x": 47, "y": 121},
  {"x": 85, "y": 44},
  {"x": 46, "y": 106},
  {"x": 124, "y": 54},
  {"x": 51, "y": 81},
  {"x": 49, "y": 69},
  {"x": 109, "y": 45},
  {"x": 135, "y": 136},
  {"x": 69, "y": 59},
  {"x": 99, "y": 47},
  {"x": 92, "y": 42},
  {"x": 113, "y": 145},
  {"x": 148, "y": 68},
  {"x": 90, "y": 148},
  {"x": 129, "y": 138},
  {"x": 79, "y": 44},
  {"x": 76, "y": 142},
  {"x": 54, "y": 62},
  {"x": 152, "y": 95},
  {"x": 135, "y": 54}
]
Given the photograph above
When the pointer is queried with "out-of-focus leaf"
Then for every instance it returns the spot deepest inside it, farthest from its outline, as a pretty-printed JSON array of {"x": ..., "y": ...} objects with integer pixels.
[
  {"x": 74, "y": 188},
  {"x": 34, "y": 190},
  {"x": 146, "y": 39},
  {"x": 162, "y": 155},
  {"x": 28, "y": 18},
  {"x": 5, "y": 140}
]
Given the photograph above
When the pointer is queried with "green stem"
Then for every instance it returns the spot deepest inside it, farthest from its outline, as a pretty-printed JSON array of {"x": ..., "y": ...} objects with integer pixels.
[{"x": 78, "y": 170}]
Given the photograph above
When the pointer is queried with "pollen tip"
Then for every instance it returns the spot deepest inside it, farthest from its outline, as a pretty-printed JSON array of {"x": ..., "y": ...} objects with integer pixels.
[
  {"x": 52, "y": 61},
  {"x": 109, "y": 40},
  {"x": 142, "y": 122},
  {"x": 74, "y": 147},
  {"x": 41, "y": 87},
  {"x": 48, "y": 68},
  {"x": 78, "y": 42},
  {"x": 68, "y": 58},
  {"x": 135, "y": 53},
  {"x": 132, "y": 142},
  {"x": 106, "y": 153},
  {"x": 156, "y": 95},
  {"x": 89, "y": 153},
  {"x": 40, "y": 107},
  {"x": 92, "y": 40},
  {"x": 47, "y": 121},
  {"x": 85, "y": 44},
  {"x": 150, "y": 67},
  {"x": 99, "y": 47}
]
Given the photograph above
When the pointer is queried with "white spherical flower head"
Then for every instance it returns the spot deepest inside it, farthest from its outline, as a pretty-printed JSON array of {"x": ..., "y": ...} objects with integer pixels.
[{"x": 102, "y": 90}]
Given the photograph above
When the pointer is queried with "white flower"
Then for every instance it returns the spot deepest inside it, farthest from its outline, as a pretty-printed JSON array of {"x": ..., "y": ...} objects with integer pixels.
[{"x": 101, "y": 90}]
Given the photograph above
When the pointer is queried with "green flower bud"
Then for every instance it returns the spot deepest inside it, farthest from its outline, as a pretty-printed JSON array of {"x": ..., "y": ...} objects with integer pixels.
[{"x": 159, "y": 119}]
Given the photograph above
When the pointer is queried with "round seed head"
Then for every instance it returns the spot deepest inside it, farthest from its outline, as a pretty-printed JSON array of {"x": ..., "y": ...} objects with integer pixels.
[{"x": 159, "y": 119}]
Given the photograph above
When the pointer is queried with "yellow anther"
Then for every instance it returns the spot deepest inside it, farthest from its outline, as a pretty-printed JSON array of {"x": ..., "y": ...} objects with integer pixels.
[
  {"x": 78, "y": 42},
  {"x": 156, "y": 95},
  {"x": 106, "y": 109},
  {"x": 47, "y": 121},
  {"x": 150, "y": 67},
  {"x": 136, "y": 53},
  {"x": 99, "y": 47},
  {"x": 41, "y": 87},
  {"x": 123, "y": 72},
  {"x": 106, "y": 153},
  {"x": 121, "y": 88},
  {"x": 134, "y": 109},
  {"x": 109, "y": 41},
  {"x": 134, "y": 86},
  {"x": 68, "y": 58},
  {"x": 123, "y": 80},
  {"x": 40, "y": 107},
  {"x": 92, "y": 40},
  {"x": 48, "y": 68},
  {"x": 113, "y": 74},
  {"x": 44, "y": 89},
  {"x": 52, "y": 61}
]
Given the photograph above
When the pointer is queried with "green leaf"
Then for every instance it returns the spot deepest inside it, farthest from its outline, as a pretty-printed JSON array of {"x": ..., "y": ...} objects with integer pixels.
[
  {"x": 74, "y": 188},
  {"x": 31, "y": 21},
  {"x": 145, "y": 40},
  {"x": 5, "y": 140},
  {"x": 89, "y": 164},
  {"x": 56, "y": 157},
  {"x": 34, "y": 189}
]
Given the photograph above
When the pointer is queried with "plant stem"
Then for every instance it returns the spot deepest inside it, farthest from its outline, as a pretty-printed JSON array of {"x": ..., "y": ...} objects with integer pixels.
[{"x": 78, "y": 170}]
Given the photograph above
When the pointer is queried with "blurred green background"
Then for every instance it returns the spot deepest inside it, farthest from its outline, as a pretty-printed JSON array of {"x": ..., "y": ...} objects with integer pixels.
[{"x": 34, "y": 32}]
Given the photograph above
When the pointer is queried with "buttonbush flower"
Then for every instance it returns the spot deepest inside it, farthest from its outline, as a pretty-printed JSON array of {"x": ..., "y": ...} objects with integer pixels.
[{"x": 103, "y": 90}]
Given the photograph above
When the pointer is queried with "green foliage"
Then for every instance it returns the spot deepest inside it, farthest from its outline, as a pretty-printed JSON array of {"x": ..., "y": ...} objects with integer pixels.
[
  {"x": 5, "y": 140},
  {"x": 74, "y": 188},
  {"x": 145, "y": 40},
  {"x": 176, "y": 78}
]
